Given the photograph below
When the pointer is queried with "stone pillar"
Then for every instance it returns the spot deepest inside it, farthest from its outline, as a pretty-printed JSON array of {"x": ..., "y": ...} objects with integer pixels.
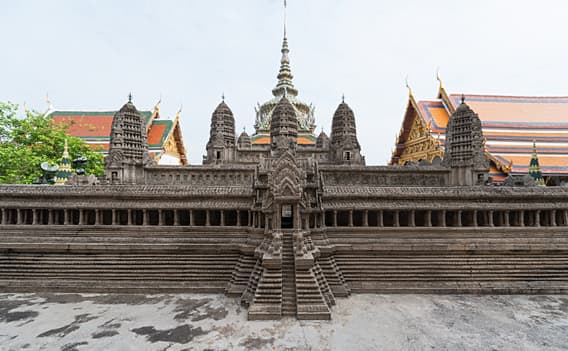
[
  {"x": 145, "y": 216},
  {"x": 296, "y": 209},
  {"x": 238, "y": 218},
  {"x": 396, "y": 221},
  {"x": 458, "y": 218},
  {"x": 537, "y": 218},
  {"x": 442, "y": 217},
  {"x": 191, "y": 218},
  {"x": 506, "y": 222},
  {"x": 19, "y": 216},
  {"x": 207, "y": 221},
  {"x": 351, "y": 218},
  {"x": 490, "y": 219},
  {"x": 160, "y": 217},
  {"x": 521, "y": 215},
  {"x": 565, "y": 217},
  {"x": 411, "y": 218},
  {"x": 50, "y": 217},
  {"x": 176, "y": 217},
  {"x": 380, "y": 222},
  {"x": 428, "y": 218},
  {"x": 97, "y": 216},
  {"x": 335, "y": 218},
  {"x": 34, "y": 216},
  {"x": 366, "y": 218},
  {"x": 81, "y": 216},
  {"x": 65, "y": 216},
  {"x": 4, "y": 212},
  {"x": 222, "y": 215},
  {"x": 129, "y": 215}
]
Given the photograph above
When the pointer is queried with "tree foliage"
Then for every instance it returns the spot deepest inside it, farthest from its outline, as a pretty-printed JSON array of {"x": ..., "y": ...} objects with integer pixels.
[{"x": 27, "y": 142}]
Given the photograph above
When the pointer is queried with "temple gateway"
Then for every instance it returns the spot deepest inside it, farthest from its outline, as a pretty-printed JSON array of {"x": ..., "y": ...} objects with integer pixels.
[{"x": 285, "y": 221}]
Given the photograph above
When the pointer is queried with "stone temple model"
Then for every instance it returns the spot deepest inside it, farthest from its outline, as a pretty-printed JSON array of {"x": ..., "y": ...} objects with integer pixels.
[{"x": 287, "y": 226}]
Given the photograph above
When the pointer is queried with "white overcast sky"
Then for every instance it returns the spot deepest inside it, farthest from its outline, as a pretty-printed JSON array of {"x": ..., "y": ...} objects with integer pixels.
[{"x": 91, "y": 54}]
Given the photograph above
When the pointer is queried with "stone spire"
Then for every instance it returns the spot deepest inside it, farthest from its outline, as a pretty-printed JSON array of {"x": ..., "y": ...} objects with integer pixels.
[
  {"x": 534, "y": 167},
  {"x": 345, "y": 147},
  {"x": 465, "y": 147},
  {"x": 128, "y": 137},
  {"x": 222, "y": 134},
  {"x": 284, "y": 126},
  {"x": 244, "y": 140},
  {"x": 285, "y": 85},
  {"x": 128, "y": 149}
]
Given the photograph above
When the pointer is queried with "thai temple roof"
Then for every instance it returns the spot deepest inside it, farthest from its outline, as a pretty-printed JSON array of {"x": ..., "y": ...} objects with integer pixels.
[
  {"x": 510, "y": 124},
  {"x": 164, "y": 135}
]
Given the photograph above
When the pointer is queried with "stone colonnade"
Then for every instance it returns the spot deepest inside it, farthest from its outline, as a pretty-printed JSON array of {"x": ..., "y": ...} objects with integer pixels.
[
  {"x": 158, "y": 217},
  {"x": 446, "y": 218}
]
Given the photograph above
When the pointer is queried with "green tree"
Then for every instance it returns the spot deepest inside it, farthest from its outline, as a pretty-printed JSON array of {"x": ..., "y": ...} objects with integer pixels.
[{"x": 27, "y": 142}]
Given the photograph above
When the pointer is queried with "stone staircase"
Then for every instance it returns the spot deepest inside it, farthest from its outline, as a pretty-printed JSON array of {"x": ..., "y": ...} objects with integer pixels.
[
  {"x": 288, "y": 276},
  {"x": 241, "y": 275},
  {"x": 267, "y": 301},
  {"x": 112, "y": 259},
  {"x": 455, "y": 272},
  {"x": 124, "y": 272}
]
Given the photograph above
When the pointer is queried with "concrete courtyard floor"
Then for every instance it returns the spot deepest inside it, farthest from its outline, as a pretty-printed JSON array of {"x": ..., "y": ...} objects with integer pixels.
[{"x": 214, "y": 322}]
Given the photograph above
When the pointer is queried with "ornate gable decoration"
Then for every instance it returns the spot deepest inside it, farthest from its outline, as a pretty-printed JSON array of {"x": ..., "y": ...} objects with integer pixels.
[{"x": 286, "y": 179}]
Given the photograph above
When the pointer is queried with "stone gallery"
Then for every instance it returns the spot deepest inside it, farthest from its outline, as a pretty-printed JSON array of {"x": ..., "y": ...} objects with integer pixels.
[{"x": 285, "y": 221}]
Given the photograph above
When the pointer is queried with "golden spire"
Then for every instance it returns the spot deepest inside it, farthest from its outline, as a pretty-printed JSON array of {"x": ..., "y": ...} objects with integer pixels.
[{"x": 65, "y": 150}]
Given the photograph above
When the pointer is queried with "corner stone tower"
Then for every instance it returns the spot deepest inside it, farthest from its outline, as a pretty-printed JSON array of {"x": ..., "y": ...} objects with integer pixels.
[
  {"x": 128, "y": 151},
  {"x": 465, "y": 153},
  {"x": 345, "y": 147},
  {"x": 221, "y": 145}
]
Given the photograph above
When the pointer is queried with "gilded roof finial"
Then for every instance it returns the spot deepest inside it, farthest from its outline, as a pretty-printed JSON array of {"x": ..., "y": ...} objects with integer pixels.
[
  {"x": 179, "y": 112},
  {"x": 408, "y": 86},
  {"x": 438, "y": 78},
  {"x": 48, "y": 102},
  {"x": 156, "y": 107}
]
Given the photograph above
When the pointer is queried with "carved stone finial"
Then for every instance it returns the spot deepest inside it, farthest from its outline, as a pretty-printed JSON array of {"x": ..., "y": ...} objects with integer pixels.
[{"x": 130, "y": 97}]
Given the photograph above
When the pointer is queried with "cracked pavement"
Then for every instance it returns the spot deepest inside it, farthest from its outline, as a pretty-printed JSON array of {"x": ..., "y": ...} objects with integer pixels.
[{"x": 70, "y": 322}]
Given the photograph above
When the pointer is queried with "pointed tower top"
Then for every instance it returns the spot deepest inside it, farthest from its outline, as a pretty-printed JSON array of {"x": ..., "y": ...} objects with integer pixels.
[
  {"x": 463, "y": 99},
  {"x": 65, "y": 150},
  {"x": 130, "y": 97},
  {"x": 534, "y": 167},
  {"x": 284, "y": 18},
  {"x": 285, "y": 85}
]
